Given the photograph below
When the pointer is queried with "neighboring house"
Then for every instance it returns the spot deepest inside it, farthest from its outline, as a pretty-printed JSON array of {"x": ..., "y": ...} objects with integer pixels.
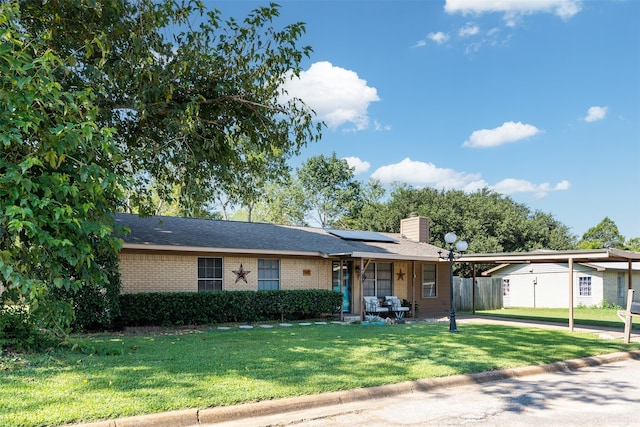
[
  {"x": 545, "y": 284},
  {"x": 170, "y": 254}
]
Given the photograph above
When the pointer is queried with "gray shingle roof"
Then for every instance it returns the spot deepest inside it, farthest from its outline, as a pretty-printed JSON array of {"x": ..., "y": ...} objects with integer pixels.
[{"x": 177, "y": 233}]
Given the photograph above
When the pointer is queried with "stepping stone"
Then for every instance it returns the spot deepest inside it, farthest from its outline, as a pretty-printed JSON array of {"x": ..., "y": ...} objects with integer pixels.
[
  {"x": 285, "y": 324},
  {"x": 245, "y": 327},
  {"x": 223, "y": 328},
  {"x": 304, "y": 324},
  {"x": 320, "y": 323},
  {"x": 266, "y": 326}
]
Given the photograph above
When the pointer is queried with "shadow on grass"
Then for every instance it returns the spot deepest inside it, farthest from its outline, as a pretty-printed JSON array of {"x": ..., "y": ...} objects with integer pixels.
[
  {"x": 337, "y": 357},
  {"x": 132, "y": 375}
]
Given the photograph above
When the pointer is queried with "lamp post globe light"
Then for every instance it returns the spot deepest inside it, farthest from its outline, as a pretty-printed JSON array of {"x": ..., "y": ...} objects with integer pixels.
[{"x": 460, "y": 246}]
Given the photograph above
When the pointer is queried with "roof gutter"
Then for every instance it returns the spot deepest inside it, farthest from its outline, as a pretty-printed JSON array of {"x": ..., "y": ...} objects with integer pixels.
[
  {"x": 165, "y": 248},
  {"x": 376, "y": 255}
]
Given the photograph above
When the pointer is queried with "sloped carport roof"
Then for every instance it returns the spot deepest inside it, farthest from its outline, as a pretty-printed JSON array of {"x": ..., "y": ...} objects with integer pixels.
[
  {"x": 592, "y": 255},
  {"x": 570, "y": 257}
]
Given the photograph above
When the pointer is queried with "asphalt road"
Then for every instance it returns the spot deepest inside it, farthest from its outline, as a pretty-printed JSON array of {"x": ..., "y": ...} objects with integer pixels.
[{"x": 604, "y": 395}]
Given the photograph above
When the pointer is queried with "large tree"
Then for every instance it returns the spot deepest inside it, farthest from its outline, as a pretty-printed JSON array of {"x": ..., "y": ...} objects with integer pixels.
[
  {"x": 488, "y": 221},
  {"x": 58, "y": 186},
  {"x": 194, "y": 99},
  {"x": 332, "y": 194},
  {"x": 603, "y": 235},
  {"x": 163, "y": 94},
  {"x": 282, "y": 203}
]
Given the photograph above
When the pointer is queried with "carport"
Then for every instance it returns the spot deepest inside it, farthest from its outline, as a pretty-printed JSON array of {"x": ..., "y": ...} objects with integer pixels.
[{"x": 569, "y": 257}]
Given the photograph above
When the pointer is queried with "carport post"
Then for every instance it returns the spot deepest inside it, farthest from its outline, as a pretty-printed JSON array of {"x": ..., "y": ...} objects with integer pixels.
[
  {"x": 473, "y": 288},
  {"x": 628, "y": 317},
  {"x": 571, "y": 294}
]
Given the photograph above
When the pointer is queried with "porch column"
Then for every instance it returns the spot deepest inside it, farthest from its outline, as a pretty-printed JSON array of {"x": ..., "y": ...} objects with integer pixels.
[
  {"x": 361, "y": 289},
  {"x": 340, "y": 279},
  {"x": 413, "y": 289}
]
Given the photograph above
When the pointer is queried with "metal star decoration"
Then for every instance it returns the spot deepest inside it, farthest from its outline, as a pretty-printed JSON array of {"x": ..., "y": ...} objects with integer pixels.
[
  {"x": 400, "y": 275},
  {"x": 241, "y": 274}
]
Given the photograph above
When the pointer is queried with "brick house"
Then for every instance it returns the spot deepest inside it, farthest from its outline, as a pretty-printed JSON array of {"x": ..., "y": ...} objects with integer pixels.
[{"x": 170, "y": 254}]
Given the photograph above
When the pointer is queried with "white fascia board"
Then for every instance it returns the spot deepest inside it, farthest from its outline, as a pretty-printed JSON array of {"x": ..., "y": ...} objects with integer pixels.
[
  {"x": 399, "y": 257},
  {"x": 142, "y": 246}
]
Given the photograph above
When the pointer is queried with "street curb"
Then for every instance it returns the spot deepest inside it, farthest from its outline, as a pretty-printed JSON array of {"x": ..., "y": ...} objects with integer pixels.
[{"x": 193, "y": 417}]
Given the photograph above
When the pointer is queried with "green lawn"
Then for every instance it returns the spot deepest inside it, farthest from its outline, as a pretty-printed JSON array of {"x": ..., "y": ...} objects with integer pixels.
[
  {"x": 581, "y": 315},
  {"x": 116, "y": 375}
]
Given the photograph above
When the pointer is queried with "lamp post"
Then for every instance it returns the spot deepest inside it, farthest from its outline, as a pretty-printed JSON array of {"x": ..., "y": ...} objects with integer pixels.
[{"x": 460, "y": 246}]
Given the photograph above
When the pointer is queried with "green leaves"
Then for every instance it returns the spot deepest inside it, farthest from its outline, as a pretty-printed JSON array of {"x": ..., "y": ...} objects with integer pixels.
[
  {"x": 178, "y": 101},
  {"x": 58, "y": 187},
  {"x": 603, "y": 235},
  {"x": 330, "y": 188},
  {"x": 85, "y": 85}
]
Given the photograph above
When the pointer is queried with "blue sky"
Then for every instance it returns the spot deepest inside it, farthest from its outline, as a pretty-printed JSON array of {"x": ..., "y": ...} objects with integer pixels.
[{"x": 536, "y": 99}]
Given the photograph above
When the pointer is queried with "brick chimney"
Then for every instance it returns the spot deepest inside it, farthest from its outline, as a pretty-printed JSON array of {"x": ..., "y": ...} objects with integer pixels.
[{"x": 415, "y": 228}]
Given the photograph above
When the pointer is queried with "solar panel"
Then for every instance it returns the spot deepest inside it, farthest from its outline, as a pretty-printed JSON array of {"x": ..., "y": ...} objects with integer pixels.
[{"x": 363, "y": 236}]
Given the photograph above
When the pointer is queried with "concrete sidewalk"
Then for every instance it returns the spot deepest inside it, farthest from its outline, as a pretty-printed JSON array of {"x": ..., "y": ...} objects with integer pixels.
[{"x": 195, "y": 417}]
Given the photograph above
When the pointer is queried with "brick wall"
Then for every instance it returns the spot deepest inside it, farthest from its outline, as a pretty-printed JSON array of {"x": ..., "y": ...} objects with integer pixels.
[
  {"x": 295, "y": 273},
  {"x": 152, "y": 272},
  {"x": 141, "y": 272},
  {"x": 157, "y": 272}
]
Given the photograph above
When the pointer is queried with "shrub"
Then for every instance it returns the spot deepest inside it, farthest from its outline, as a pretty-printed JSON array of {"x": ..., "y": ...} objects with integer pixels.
[
  {"x": 96, "y": 306},
  {"x": 19, "y": 331},
  {"x": 605, "y": 305},
  {"x": 190, "y": 308}
]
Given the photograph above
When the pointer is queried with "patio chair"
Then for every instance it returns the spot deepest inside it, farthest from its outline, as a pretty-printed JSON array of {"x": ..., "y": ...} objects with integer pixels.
[
  {"x": 396, "y": 306},
  {"x": 372, "y": 306}
]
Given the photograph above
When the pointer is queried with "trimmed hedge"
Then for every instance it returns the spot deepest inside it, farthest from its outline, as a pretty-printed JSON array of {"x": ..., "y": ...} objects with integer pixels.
[{"x": 197, "y": 308}]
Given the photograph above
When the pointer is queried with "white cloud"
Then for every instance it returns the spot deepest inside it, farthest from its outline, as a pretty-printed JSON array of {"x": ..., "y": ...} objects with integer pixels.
[
  {"x": 438, "y": 37},
  {"x": 421, "y": 174},
  {"x": 338, "y": 96},
  {"x": 595, "y": 113},
  {"x": 510, "y": 186},
  {"x": 508, "y": 132},
  {"x": 359, "y": 165},
  {"x": 513, "y": 9},
  {"x": 427, "y": 174},
  {"x": 469, "y": 30},
  {"x": 379, "y": 127}
]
